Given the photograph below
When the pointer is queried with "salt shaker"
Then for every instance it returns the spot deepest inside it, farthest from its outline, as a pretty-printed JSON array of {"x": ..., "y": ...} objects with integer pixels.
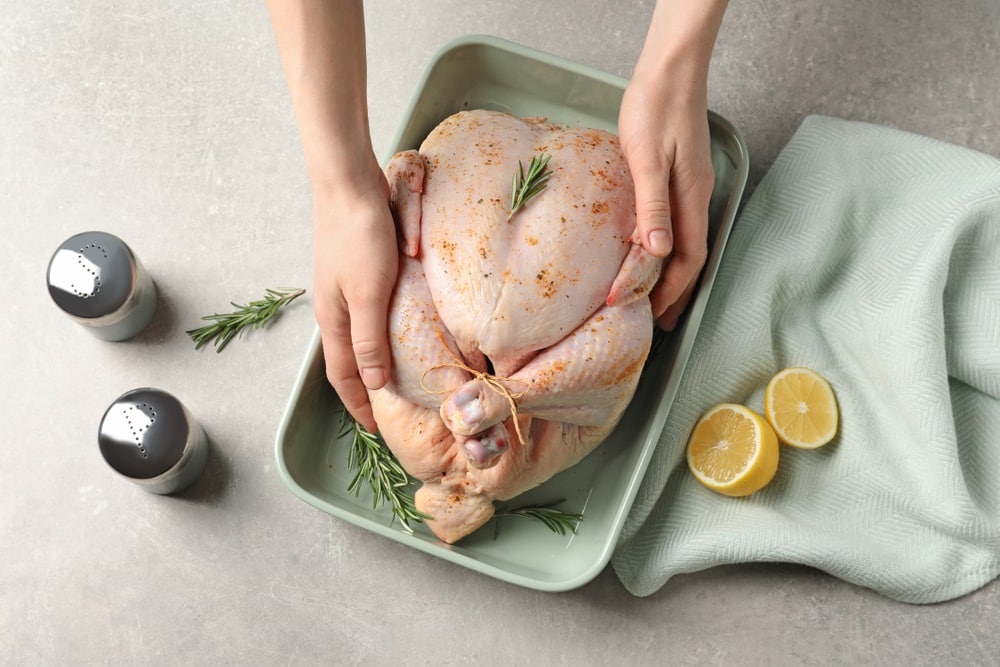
[
  {"x": 150, "y": 438},
  {"x": 97, "y": 280}
]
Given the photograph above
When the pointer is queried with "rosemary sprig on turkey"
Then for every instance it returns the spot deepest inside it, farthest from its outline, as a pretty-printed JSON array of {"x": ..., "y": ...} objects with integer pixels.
[{"x": 526, "y": 186}]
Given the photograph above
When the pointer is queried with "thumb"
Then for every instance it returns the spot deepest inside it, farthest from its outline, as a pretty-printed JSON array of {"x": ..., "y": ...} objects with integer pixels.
[
  {"x": 652, "y": 210},
  {"x": 370, "y": 341}
]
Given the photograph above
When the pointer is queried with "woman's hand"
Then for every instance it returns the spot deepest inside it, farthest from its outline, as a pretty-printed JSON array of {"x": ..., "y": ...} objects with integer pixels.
[
  {"x": 355, "y": 262},
  {"x": 666, "y": 144},
  {"x": 322, "y": 47},
  {"x": 663, "y": 128}
]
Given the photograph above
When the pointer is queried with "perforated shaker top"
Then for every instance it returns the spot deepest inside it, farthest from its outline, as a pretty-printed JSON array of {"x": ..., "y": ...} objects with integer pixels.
[
  {"x": 143, "y": 433},
  {"x": 92, "y": 274}
]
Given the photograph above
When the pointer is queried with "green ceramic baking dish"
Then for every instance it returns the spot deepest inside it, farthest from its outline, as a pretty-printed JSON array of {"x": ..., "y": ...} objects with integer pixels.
[{"x": 486, "y": 72}]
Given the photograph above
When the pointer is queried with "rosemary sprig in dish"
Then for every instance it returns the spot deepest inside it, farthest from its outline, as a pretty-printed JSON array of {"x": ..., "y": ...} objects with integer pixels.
[
  {"x": 526, "y": 186},
  {"x": 373, "y": 462},
  {"x": 254, "y": 315},
  {"x": 556, "y": 520}
]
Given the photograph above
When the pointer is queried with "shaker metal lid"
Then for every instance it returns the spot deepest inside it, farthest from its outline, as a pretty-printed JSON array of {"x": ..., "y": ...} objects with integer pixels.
[
  {"x": 144, "y": 432},
  {"x": 92, "y": 274}
]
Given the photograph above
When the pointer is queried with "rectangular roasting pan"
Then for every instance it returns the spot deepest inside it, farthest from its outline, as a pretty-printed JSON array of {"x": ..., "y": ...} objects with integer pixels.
[{"x": 490, "y": 73}]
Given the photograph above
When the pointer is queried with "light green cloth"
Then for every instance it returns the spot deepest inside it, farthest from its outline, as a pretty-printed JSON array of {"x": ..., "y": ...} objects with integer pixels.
[{"x": 872, "y": 256}]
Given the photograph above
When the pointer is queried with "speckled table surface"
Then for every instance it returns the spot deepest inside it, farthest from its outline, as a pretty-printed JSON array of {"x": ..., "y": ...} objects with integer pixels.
[{"x": 169, "y": 125}]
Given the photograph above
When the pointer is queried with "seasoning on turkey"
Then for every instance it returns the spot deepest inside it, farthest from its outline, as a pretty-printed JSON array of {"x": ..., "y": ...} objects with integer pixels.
[{"x": 517, "y": 339}]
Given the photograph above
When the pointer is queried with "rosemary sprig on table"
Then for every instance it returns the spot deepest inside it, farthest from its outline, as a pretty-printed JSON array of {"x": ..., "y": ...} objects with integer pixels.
[
  {"x": 226, "y": 326},
  {"x": 372, "y": 462},
  {"x": 558, "y": 521},
  {"x": 526, "y": 186}
]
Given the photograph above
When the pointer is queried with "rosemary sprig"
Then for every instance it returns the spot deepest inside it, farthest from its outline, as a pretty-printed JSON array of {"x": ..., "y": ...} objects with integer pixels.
[
  {"x": 556, "y": 520},
  {"x": 524, "y": 187},
  {"x": 373, "y": 462},
  {"x": 254, "y": 315}
]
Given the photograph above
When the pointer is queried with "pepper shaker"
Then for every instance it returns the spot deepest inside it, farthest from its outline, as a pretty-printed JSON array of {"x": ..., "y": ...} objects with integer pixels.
[
  {"x": 151, "y": 439},
  {"x": 97, "y": 280}
]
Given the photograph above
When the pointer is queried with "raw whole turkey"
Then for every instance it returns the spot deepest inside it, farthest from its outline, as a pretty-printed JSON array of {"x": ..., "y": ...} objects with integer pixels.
[{"x": 517, "y": 339}]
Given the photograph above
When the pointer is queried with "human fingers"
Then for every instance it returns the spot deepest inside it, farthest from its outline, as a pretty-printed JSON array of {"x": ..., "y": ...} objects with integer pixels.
[
  {"x": 369, "y": 335},
  {"x": 341, "y": 364},
  {"x": 654, "y": 227},
  {"x": 355, "y": 264},
  {"x": 669, "y": 318},
  {"x": 683, "y": 267}
]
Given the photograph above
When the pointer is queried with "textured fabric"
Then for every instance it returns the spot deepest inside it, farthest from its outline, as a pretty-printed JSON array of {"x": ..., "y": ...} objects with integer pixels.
[{"x": 872, "y": 256}]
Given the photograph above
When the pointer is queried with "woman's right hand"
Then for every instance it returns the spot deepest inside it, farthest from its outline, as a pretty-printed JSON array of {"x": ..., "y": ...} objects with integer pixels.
[
  {"x": 355, "y": 261},
  {"x": 322, "y": 47}
]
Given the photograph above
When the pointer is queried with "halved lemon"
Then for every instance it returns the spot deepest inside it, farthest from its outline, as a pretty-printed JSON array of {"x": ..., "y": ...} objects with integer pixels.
[
  {"x": 800, "y": 406},
  {"x": 733, "y": 450}
]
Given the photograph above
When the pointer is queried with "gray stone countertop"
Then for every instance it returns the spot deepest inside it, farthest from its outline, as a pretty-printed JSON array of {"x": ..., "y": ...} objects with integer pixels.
[{"x": 169, "y": 125}]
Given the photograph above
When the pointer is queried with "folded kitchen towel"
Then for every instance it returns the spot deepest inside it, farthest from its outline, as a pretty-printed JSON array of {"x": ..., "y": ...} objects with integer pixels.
[{"x": 872, "y": 256}]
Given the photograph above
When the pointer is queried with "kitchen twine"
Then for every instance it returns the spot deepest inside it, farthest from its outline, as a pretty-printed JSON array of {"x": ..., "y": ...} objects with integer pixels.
[{"x": 494, "y": 382}]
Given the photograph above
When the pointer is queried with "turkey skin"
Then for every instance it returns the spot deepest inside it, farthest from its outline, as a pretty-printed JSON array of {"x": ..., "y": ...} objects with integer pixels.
[{"x": 517, "y": 339}]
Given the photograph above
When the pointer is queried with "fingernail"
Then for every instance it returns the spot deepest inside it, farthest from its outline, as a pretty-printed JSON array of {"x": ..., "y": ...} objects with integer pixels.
[
  {"x": 374, "y": 378},
  {"x": 659, "y": 242}
]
